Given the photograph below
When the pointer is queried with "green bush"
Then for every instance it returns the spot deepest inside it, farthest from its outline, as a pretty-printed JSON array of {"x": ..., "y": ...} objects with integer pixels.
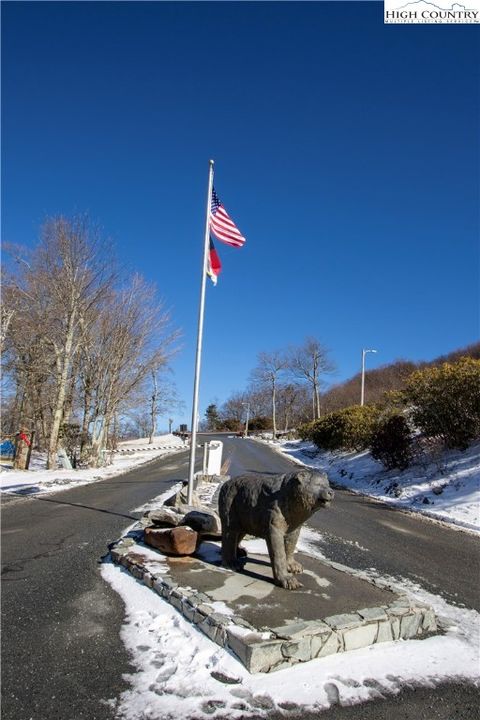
[
  {"x": 392, "y": 442},
  {"x": 445, "y": 401},
  {"x": 347, "y": 429},
  {"x": 305, "y": 430}
]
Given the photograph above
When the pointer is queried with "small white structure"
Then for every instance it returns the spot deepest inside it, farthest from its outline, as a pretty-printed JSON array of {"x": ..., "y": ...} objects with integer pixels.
[
  {"x": 63, "y": 459},
  {"x": 212, "y": 459}
]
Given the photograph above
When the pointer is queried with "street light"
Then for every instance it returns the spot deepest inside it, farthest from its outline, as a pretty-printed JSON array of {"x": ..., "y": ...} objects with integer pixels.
[
  {"x": 362, "y": 396},
  {"x": 247, "y": 405}
]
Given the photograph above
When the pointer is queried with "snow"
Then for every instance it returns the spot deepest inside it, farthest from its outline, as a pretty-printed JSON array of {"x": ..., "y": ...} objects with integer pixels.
[
  {"x": 37, "y": 480},
  {"x": 445, "y": 486},
  {"x": 174, "y": 662},
  {"x": 181, "y": 674}
]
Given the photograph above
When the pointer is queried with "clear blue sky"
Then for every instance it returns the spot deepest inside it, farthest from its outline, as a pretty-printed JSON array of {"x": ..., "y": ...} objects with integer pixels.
[{"x": 345, "y": 150}]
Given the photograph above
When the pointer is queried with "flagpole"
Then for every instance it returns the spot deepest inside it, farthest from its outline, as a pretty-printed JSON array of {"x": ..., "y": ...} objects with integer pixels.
[{"x": 198, "y": 359}]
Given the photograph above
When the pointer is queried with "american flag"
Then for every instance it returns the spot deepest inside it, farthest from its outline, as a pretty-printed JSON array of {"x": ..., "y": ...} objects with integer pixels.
[{"x": 222, "y": 226}]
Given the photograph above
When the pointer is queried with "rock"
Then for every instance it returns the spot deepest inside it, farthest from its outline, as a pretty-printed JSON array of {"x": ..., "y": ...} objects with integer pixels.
[
  {"x": 180, "y": 498},
  {"x": 226, "y": 679},
  {"x": 211, "y": 478},
  {"x": 164, "y": 515},
  {"x": 201, "y": 519},
  {"x": 172, "y": 541},
  {"x": 204, "y": 521}
]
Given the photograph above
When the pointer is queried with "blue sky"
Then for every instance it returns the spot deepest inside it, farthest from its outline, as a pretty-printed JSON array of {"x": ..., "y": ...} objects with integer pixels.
[{"x": 345, "y": 150}]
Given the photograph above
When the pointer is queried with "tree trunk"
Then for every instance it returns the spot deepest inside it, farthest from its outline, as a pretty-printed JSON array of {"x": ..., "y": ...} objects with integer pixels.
[
  {"x": 61, "y": 393},
  {"x": 153, "y": 409},
  {"x": 317, "y": 401},
  {"x": 98, "y": 435},
  {"x": 87, "y": 398},
  {"x": 274, "y": 419}
]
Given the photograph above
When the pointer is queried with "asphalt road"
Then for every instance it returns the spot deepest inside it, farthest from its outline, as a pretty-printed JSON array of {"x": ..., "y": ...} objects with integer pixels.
[
  {"x": 62, "y": 656},
  {"x": 363, "y": 533}
]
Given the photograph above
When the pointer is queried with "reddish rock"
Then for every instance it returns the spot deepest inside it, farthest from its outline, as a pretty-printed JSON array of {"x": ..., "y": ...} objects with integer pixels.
[{"x": 172, "y": 541}]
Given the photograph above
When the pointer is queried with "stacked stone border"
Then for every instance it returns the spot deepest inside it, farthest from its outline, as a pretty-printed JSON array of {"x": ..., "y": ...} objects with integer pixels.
[{"x": 272, "y": 649}]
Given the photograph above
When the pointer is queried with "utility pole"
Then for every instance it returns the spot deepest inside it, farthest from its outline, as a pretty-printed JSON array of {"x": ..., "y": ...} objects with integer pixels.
[
  {"x": 247, "y": 405},
  {"x": 362, "y": 394}
]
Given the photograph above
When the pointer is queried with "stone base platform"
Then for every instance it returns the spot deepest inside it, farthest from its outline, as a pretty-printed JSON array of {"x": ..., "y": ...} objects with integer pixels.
[{"x": 269, "y": 628}]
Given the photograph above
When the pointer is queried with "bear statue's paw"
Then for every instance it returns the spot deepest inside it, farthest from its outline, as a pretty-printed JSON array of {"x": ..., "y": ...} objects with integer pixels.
[
  {"x": 233, "y": 564},
  {"x": 294, "y": 567},
  {"x": 289, "y": 583}
]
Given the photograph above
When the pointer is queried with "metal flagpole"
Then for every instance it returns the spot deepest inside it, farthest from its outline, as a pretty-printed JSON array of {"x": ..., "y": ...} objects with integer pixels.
[{"x": 198, "y": 359}]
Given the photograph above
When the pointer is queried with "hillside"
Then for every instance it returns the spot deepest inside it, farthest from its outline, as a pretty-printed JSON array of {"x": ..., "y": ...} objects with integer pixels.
[
  {"x": 444, "y": 485},
  {"x": 385, "y": 378}
]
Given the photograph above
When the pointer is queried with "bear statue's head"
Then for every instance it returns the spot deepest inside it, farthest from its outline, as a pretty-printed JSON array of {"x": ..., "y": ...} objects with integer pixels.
[{"x": 311, "y": 488}]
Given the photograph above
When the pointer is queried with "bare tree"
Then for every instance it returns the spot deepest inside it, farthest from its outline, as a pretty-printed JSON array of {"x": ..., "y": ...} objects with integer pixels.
[
  {"x": 62, "y": 279},
  {"x": 233, "y": 409},
  {"x": 308, "y": 363},
  {"x": 267, "y": 374},
  {"x": 79, "y": 345},
  {"x": 71, "y": 274},
  {"x": 130, "y": 338},
  {"x": 292, "y": 398},
  {"x": 162, "y": 399}
]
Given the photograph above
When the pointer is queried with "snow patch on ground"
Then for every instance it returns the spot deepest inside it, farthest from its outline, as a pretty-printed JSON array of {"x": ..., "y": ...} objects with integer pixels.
[
  {"x": 445, "y": 487},
  {"x": 37, "y": 480},
  {"x": 180, "y": 673}
]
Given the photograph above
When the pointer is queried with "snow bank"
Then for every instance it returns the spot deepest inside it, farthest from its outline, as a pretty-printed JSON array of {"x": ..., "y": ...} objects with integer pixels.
[
  {"x": 37, "y": 480},
  {"x": 181, "y": 674},
  {"x": 445, "y": 486}
]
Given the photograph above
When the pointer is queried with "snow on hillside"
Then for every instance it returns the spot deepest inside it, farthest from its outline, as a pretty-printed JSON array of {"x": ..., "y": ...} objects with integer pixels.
[
  {"x": 130, "y": 454},
  {"x": 445, "y": 486}
]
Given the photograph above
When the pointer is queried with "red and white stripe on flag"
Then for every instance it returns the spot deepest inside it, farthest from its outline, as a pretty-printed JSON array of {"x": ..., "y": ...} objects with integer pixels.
[
  {"x": 214, "y": 266},
  {"x": 222, "y": 226}
]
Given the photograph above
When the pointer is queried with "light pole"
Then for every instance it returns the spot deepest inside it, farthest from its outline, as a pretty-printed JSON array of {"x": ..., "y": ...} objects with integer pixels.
[
  {"x": 247, "y": 405},
  {"x": 362, "y": 395}
]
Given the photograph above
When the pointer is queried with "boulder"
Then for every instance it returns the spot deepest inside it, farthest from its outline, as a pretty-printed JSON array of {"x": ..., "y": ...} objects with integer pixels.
[
  {"x": 172, "y": 541},
  {"x": 165, "y": 516},
  {"x": 180, "y": 498},
  {"x": 204, "y": 521}
]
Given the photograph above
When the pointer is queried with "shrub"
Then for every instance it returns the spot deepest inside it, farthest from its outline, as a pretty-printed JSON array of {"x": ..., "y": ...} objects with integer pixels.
[
  {"x": 392, "y": 442},
  {"x": 347, "y": 429},
  {"x": 305, "y": 430},
  {"x": 259, "y": 423},
  {"x": 70, "y": 436},
  {"x": 445, "y": 401}
]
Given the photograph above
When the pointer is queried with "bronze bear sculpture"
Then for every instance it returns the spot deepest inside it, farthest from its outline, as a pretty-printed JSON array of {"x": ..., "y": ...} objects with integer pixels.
[{"x": 273, "y": 507}]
